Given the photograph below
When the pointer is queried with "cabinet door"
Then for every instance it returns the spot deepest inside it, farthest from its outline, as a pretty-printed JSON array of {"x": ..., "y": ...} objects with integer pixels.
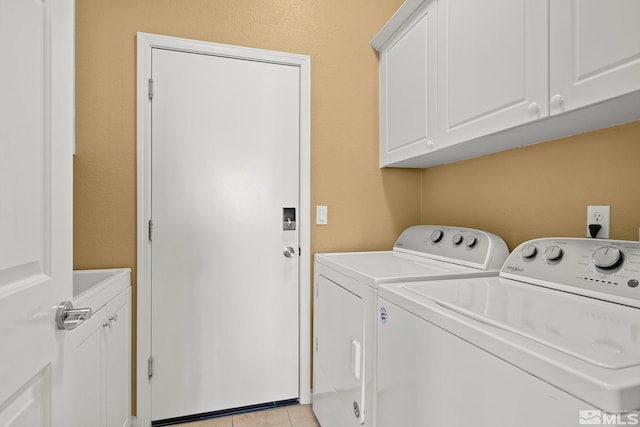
[
  {"x": 118, "y": 361},
  {"x": 408, "y": 88},
  {"x": 595, "y": 51},
  {"x": 87, "y": 347},
  {"x": 492, "y": 66}
]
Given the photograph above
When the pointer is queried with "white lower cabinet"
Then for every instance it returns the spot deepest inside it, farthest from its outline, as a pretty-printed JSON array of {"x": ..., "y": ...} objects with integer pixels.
[{"x": 101, "y": 366}]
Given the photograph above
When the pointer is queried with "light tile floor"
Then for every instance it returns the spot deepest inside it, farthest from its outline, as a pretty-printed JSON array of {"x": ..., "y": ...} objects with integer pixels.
[{"x": 287, "y": 416}]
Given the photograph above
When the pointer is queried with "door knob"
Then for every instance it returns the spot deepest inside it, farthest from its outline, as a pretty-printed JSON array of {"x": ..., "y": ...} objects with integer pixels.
[
  {"x": 289, "y": 252},
  {"x": 68, "y": 318}
]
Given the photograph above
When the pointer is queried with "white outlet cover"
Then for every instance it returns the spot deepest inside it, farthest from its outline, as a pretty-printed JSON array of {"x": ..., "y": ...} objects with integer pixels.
[{"x": 599, "y": 215}]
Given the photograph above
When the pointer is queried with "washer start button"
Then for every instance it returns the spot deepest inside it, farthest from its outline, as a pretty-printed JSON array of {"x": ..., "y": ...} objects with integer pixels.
[{"x": 632, "y": 283}]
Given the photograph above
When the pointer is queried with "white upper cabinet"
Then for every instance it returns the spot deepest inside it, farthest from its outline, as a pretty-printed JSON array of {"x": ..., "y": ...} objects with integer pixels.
[
  {"x": 492, "y": 61},
  {"x": 408, "y": 78},
  {"x": 508, "y": 73},
  {"x": 594, "y": 51}
]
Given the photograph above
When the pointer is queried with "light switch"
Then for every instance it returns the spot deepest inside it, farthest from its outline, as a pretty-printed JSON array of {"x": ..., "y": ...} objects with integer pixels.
[{"x": 321, "y": 215}]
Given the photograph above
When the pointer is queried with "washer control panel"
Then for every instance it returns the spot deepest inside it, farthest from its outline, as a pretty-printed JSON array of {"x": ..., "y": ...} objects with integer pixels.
[
  {"x": 455, "y": 244},
  {"x": 599, "y": 268}
]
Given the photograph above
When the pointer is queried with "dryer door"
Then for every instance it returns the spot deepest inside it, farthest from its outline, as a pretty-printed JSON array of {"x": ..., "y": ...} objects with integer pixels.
[{"x": 338, "y": 397}]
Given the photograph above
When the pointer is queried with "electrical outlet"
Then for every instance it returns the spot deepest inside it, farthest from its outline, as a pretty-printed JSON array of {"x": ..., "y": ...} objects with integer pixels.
[{"x": 599, "y": 215}]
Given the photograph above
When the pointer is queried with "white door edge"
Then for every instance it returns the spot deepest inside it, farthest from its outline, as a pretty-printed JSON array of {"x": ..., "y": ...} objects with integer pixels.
[{"x": 145, "y": 43}]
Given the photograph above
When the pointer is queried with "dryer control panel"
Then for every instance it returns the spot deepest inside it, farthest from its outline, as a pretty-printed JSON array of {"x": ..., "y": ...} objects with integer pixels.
[
  {"x": 604, "y": 269},
  {"x": 465, "y": 246}
]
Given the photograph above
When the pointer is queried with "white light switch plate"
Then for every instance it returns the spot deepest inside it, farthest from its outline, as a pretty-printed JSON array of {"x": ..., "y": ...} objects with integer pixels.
[{"x": 321, "y": 215}]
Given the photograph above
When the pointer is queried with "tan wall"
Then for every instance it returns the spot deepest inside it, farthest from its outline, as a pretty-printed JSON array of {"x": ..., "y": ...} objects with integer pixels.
[
  {"x": 368, "y": 207},
  {"x": 542, "y": 190}
]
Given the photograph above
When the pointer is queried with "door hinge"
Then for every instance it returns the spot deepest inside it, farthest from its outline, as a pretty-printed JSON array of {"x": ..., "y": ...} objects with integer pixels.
[
  {"x": 150, "y": 367},
  {"x": 150, "y": 89},
  {"x": 150, "y": 231}
]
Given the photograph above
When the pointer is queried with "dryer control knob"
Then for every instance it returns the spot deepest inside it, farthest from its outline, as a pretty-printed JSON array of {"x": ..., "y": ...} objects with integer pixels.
[
  {"x": 553, "y": 253},
  {"x": 457, "y": 239},
  {"x": 529, "y": 251},
  {"x": 436, "y": 236},
  {"x": 470, "y": 241},
  {"x": 607, "y": 257}
]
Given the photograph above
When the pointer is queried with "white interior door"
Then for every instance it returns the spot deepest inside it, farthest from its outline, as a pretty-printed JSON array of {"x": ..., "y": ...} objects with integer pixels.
[
  {"x": 36, "y": 143},
  {"x": 225, "y": 162}
]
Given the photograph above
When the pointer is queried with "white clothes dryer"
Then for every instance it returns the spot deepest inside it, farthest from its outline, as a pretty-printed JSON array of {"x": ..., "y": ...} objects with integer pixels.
[
  {"x": 553, "y": 341},
  {"x": 345, "y": 308}
]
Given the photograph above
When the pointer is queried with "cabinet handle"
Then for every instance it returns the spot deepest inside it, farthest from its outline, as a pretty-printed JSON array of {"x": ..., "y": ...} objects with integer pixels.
[
  {"x": 114, "y": 318},
  {"x": 534, "y": 108},
  {"x": 106, "y": 323},
  {"x": 557, "y": 100}
]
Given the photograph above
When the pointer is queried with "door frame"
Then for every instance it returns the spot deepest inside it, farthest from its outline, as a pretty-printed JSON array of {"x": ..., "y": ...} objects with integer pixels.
[{"x": 145, "y": 43}]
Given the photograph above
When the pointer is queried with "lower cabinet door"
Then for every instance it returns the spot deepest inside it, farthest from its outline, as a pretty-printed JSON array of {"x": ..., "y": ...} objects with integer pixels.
[
  {"x": 100, "y": 356},
  {"x": 118, "y": 361},
  {"x": 87, "y": 345}
]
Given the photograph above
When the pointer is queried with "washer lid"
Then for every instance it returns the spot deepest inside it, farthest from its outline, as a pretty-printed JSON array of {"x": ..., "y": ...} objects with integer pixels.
[
  {"x": 602, "y": 333},
  {"x": 373, "y": 268}
]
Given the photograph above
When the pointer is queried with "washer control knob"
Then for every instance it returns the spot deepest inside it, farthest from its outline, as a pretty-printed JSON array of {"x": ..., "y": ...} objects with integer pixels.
[
  {"x": 553, "y": 253},
  {"x": 529, "y": 251},
  {"x": 607, "y": 257},
  {"x": 457, "y": 239},
  {"x": 470, "y": 241},
  {"x": 436, "y": 236}
]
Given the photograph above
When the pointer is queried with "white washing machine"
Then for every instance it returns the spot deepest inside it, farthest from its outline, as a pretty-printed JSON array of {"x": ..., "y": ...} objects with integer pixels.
[
  {"x": 345, "y": 309},
  {"x": 553, "y": 341}
]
